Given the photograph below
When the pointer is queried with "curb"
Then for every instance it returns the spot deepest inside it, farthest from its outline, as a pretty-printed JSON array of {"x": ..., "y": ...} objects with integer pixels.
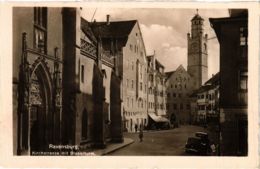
[{"x": 106, "y": 152}]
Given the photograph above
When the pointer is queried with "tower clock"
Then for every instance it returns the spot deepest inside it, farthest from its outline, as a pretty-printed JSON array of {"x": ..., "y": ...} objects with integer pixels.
[{"x": 197, "y": 52}]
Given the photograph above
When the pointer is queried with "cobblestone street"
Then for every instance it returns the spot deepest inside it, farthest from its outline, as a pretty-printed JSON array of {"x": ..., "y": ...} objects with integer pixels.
[{"x": 164, "y": 142}]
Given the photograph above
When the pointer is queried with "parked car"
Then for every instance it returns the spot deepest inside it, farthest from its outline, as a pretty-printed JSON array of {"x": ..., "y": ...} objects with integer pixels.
[
  {"x": 193, "y": 145},
  {"x": 199, "y": 144}
]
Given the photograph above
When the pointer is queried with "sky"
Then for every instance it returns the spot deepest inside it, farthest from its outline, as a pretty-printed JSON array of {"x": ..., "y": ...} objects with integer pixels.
[{"x": 165, "y": 31}]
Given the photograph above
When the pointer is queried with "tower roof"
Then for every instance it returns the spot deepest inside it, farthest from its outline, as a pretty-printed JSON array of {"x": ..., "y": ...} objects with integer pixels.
[{"x": 197, "y": 17}]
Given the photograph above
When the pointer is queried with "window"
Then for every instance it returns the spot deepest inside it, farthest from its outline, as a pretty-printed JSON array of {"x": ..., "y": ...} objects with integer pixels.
[
  {"x": 171, "y": 85},
  {"x": 243, "y": 80},
  {"x": 205, "y": 47},
  {"x": 131, "y": 47},
  {"x": 174, "y": 94},
  {"x": 40, "y": 29},
  {"x": 181, "y": 106},
  {"x": 132, "y": 84},
  {"x": 175, "y": 106},
  {"x": 127, "y": 102},
  {"x": 175, "y": 86},
  {"x": 179, "y": 95},
  {"x": 202, "y": 96},
  {"x": 151, "y": 78},
  {"x": 243, "y": 36},
  {"x": 132, "y": 102},
  {"x": 127, "y": 83},
  {"x": 82, "y": 73},
  {"x": 161, "y": 94},
  {"x": 141, "y": 86},
  {"x": 213, "y": 96},
  {"x": 188, "y": 107},
  {"x": 167, "y": 105}
]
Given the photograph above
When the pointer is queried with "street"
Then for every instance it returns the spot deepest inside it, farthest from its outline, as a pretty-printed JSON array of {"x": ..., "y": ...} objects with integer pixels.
[{"x": 162, "y": 142}]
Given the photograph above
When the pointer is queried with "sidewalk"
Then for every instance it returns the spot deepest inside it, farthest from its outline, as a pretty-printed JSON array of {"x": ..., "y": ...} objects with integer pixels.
[{"x": 111, "y": 147}]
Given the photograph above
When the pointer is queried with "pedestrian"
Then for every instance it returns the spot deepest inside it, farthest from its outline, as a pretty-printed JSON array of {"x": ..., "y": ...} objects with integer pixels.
[
  {"x": 136, "y": 128},
  {"x": 213, "y": 149},
  {"x": 141, "y": 134}
]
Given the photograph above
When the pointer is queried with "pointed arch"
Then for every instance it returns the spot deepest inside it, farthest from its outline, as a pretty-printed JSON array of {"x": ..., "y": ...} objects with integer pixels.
[{"x": 41, "y": 117}]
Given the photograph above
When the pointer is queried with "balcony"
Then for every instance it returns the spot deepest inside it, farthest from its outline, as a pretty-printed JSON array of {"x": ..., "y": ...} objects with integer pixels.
[
  {"x": 88, "y": 48},
  {"x": 107, "y": 58}
]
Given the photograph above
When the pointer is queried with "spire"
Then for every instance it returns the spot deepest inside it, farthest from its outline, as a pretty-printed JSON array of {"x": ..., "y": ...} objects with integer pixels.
[{"x": 197, "y": 16}]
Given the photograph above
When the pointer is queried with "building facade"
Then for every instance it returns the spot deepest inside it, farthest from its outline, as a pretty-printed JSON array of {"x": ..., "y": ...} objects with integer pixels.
[
  {"x": 66, "y": 87},
  {"x": 92, "y": 102},
  {"x": 132, "y": 67},
  {"x": 37, "y": 79},
  {"x": 207, "y": 101},
  {"x": 179, "y": 86},
  {"x": 232, "y": 36},
  {"x": 156, "y": 94}
]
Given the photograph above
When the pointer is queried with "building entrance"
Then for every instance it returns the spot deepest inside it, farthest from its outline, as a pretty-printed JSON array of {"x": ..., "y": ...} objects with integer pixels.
[{"x": 39, "y": 111}]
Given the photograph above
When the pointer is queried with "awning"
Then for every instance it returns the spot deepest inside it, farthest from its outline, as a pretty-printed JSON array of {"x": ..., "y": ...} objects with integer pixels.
[{"x": 158, "y": 118}]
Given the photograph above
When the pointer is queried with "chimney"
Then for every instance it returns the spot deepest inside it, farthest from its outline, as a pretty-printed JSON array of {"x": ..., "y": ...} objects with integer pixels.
[{"x": 108, "y": 17}]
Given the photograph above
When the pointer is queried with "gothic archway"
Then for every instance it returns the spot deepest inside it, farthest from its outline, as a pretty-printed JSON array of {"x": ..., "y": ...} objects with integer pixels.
[{"x": 40, "y": 120}]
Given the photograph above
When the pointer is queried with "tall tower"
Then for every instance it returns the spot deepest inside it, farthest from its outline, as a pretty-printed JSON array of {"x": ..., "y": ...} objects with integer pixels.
[{"x": 197, "y": 52}]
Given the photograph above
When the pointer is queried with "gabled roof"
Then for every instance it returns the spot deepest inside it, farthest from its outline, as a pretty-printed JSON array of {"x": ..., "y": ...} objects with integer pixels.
[
  {"x": 214, "y": 79},
  {"x": 116, "y": 29},
  {"x": 168, "y": 74},
  {"x": 86, "y": 28},
  {"x": 180, "y": 68},
  {"x": 200, "y": 90},
  {"x": 158, "y": 63},
  {"x": 115, "y": 34}
]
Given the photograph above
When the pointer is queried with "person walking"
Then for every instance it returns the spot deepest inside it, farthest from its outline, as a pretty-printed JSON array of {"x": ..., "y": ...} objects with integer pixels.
[
  {"x": 141, "y": 134},
  {"x": 136, "y": 128}
]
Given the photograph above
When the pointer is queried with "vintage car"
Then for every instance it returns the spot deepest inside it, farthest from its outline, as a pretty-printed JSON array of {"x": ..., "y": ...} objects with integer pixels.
[{"x": 199, "y": 145}]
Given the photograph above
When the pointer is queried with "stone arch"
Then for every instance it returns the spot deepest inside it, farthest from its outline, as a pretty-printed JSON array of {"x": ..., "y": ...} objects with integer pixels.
[{"x": 40, "y": 117}]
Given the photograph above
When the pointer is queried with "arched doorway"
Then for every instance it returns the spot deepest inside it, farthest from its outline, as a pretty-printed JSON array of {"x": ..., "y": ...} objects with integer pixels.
[{"x": 40, "y": 114}]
